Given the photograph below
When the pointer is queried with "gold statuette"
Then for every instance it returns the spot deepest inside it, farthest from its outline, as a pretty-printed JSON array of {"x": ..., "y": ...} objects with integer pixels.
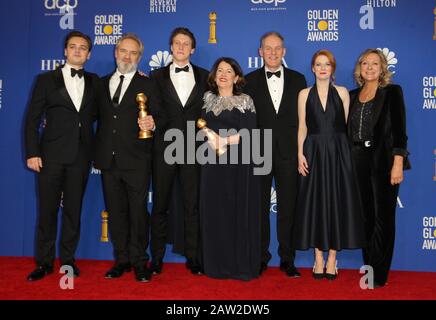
[
  {"x": 434, "y": 177},
  {"x": 434, "y": 33},
  {"x": 141, "y": 99},
  {"x": 104, "y": 234},
  {"x": 201, "y": 124},
  {"x": 212, "y": 27}
]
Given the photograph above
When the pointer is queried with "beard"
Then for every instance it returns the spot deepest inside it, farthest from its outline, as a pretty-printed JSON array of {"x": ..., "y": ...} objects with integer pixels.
[{"x": 124, "y": 67}]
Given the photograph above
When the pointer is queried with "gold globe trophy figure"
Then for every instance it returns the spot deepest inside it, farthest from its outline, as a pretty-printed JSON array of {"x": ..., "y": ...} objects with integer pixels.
[
  {"x": 104, "y": 233},
  {"x": 212, "y": 27},
  {"x": 201, "y": 124},
  {"x": 434, "y": 33},
  {"x": 141, "y": 99}
]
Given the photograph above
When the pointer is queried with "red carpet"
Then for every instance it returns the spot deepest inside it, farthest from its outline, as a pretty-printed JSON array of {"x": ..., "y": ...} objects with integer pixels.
[{"x": 176, "y": 283}]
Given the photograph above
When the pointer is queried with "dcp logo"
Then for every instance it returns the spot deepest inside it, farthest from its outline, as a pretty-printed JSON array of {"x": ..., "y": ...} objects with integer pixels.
[
  {"x": 276, "y": 2},
  {"x": 60, "y": 4}
]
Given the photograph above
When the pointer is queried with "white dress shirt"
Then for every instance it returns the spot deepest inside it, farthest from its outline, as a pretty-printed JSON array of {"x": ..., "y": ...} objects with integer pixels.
[
  {"x": 275, "y": 87},
  {"x": 183, "y": 81},
  {"x": 115, "y": 81},
  {"x": 75, "y": 86}
]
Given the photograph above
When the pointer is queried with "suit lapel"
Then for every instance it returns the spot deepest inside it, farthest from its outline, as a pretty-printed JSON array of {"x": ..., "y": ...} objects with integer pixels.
[
  {"x": 285, "y": 85},
  {"x": 169, "y": 84},
  {"x": 194, "y": 91},
  {"x": 130, "y": 91},
  {"x": 60, "y": 83},
  {"x": 87, "y": 91},
  {"x": 378, "y": 105},
  {"x": 264, "y": 87}
]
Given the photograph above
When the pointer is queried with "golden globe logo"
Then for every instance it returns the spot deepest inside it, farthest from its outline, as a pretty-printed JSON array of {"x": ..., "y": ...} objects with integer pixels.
[
  {"x": 429, "y": 233},
  {"x": 108, "y": 29},
  {"x": 429, "y": 92},
  {"x": 322, "y": 25}
]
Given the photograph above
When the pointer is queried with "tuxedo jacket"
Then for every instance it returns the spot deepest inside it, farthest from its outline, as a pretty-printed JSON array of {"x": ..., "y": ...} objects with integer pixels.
[
  {"x": 173, "y": 114},
  {"x": 284, "y": 124},
  {"x": 388, "y": 127},
  {"x": 64, "y": 127},
  {"x": 117, "y": 130}
]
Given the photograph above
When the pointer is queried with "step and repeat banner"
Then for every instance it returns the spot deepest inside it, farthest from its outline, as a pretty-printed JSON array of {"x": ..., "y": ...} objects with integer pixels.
[{"x": 32, "y": 34}]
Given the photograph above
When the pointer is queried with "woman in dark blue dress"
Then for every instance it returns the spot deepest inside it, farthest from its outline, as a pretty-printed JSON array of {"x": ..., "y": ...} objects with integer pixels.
[
  {"x": 329, "y": 216},
  {"x": 229, "y": 193}
]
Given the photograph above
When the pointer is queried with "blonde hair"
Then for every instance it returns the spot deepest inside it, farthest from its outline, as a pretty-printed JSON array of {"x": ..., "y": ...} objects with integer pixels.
[{"x": 385, "y": 75}]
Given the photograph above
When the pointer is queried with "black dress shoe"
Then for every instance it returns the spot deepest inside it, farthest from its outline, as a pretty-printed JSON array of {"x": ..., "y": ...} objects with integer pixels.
[
  {"x": 263, "y": 267},
  {"x": 290, "y": 270},
  {"x": 156, "y": 266},
  {"x": 194, "y": 267},
  {"x": 40, "y": 272},
  {"x": 142, "y": 274},
  {"x": 378, "y": 285},
  {"x": 118, "y": 270},
  {"x": 71, "y": 264}
]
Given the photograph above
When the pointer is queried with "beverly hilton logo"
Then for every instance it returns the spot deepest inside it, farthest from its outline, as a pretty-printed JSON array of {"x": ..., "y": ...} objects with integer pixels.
[
  {"x": 51, "y": 64},
  {"x": 381, "y": 3},
  {"x": 163, "y": 6},
  {"x": 108, "y": 29},
  {"x": 323, "y": 25},
  {"x": 273, "y": 202}
]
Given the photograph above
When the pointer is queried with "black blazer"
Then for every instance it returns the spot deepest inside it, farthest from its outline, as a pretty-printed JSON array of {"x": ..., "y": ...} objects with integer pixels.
[
  {"x": 64, "y": 126},
  {"x": 284, "y": 124},
  {"x": 388, "y": 126},
  {"x": 173, "y": 114},
  {"x": 117, "y": 130}
]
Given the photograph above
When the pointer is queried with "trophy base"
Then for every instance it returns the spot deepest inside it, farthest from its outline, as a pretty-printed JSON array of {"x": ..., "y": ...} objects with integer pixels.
[
  {"x": 212, "y": 41},
  {"x": 145, "y": 134},
  {"x": 102, "y": 239}
]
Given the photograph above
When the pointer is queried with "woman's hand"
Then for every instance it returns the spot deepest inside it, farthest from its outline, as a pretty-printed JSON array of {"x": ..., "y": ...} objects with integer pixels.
[
  {"x": 303, "y": 168},
  {"x": 396, "y": 174}
]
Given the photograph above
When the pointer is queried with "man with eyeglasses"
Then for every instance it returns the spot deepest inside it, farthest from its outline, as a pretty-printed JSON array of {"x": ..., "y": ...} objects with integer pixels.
[
  {"x": 61, "y": 156},
  {"x": 125, "y": 160}
]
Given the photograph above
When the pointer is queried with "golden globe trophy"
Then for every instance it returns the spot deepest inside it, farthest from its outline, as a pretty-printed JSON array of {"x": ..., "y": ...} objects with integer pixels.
[
  {"x": 141, "y": 99},
  {"x": 212, "y": 27},
  {"x": 434, "y": 177},
  {"x": 201, "y": 124},
  {"x": 104, "y": 233},
  {"x": 434, "y": 33}
]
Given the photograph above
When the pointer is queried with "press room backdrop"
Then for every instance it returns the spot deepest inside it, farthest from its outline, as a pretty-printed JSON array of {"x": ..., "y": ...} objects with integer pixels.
[{"x": 31, "y": 37}]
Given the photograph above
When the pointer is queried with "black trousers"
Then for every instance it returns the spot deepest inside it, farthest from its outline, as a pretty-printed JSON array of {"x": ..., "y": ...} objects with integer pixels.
[
  {"x": 125, "y": 194},
  {"x": 60, "y": 184},
  {"x": 285, "y": 174},
  {"x": 379, "y": 199},
  {"x": 163, "y": 178}
]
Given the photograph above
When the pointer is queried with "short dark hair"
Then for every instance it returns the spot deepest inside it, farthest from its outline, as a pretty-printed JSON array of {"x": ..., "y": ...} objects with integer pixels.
[
  {"x": 79, "y": 34},
  {"x": 271, "y": 33},
  {"x": 186, "y": 32},
  {"x": 237, "y": 88}
]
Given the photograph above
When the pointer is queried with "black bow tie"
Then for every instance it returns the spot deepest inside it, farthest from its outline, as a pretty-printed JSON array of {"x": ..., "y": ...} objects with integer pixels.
[
  {"x": 270, "y": 74},
  {"x": 78, "y": 72},
  {"x": 185, "y": 69}
]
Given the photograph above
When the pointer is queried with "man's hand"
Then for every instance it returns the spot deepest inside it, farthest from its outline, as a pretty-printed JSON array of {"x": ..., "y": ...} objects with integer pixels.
[
  {"x": 146, "y": 123},
  {"x": 34, "y": 164}
]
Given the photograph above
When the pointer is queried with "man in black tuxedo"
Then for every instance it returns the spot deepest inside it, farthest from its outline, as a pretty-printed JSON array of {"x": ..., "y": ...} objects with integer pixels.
[
  {"x": 62, "y": 156},
  {"x": 274, "y": 90},
  {"x": 125, "y": 160},
  {"x": 181, "y": 86}
]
